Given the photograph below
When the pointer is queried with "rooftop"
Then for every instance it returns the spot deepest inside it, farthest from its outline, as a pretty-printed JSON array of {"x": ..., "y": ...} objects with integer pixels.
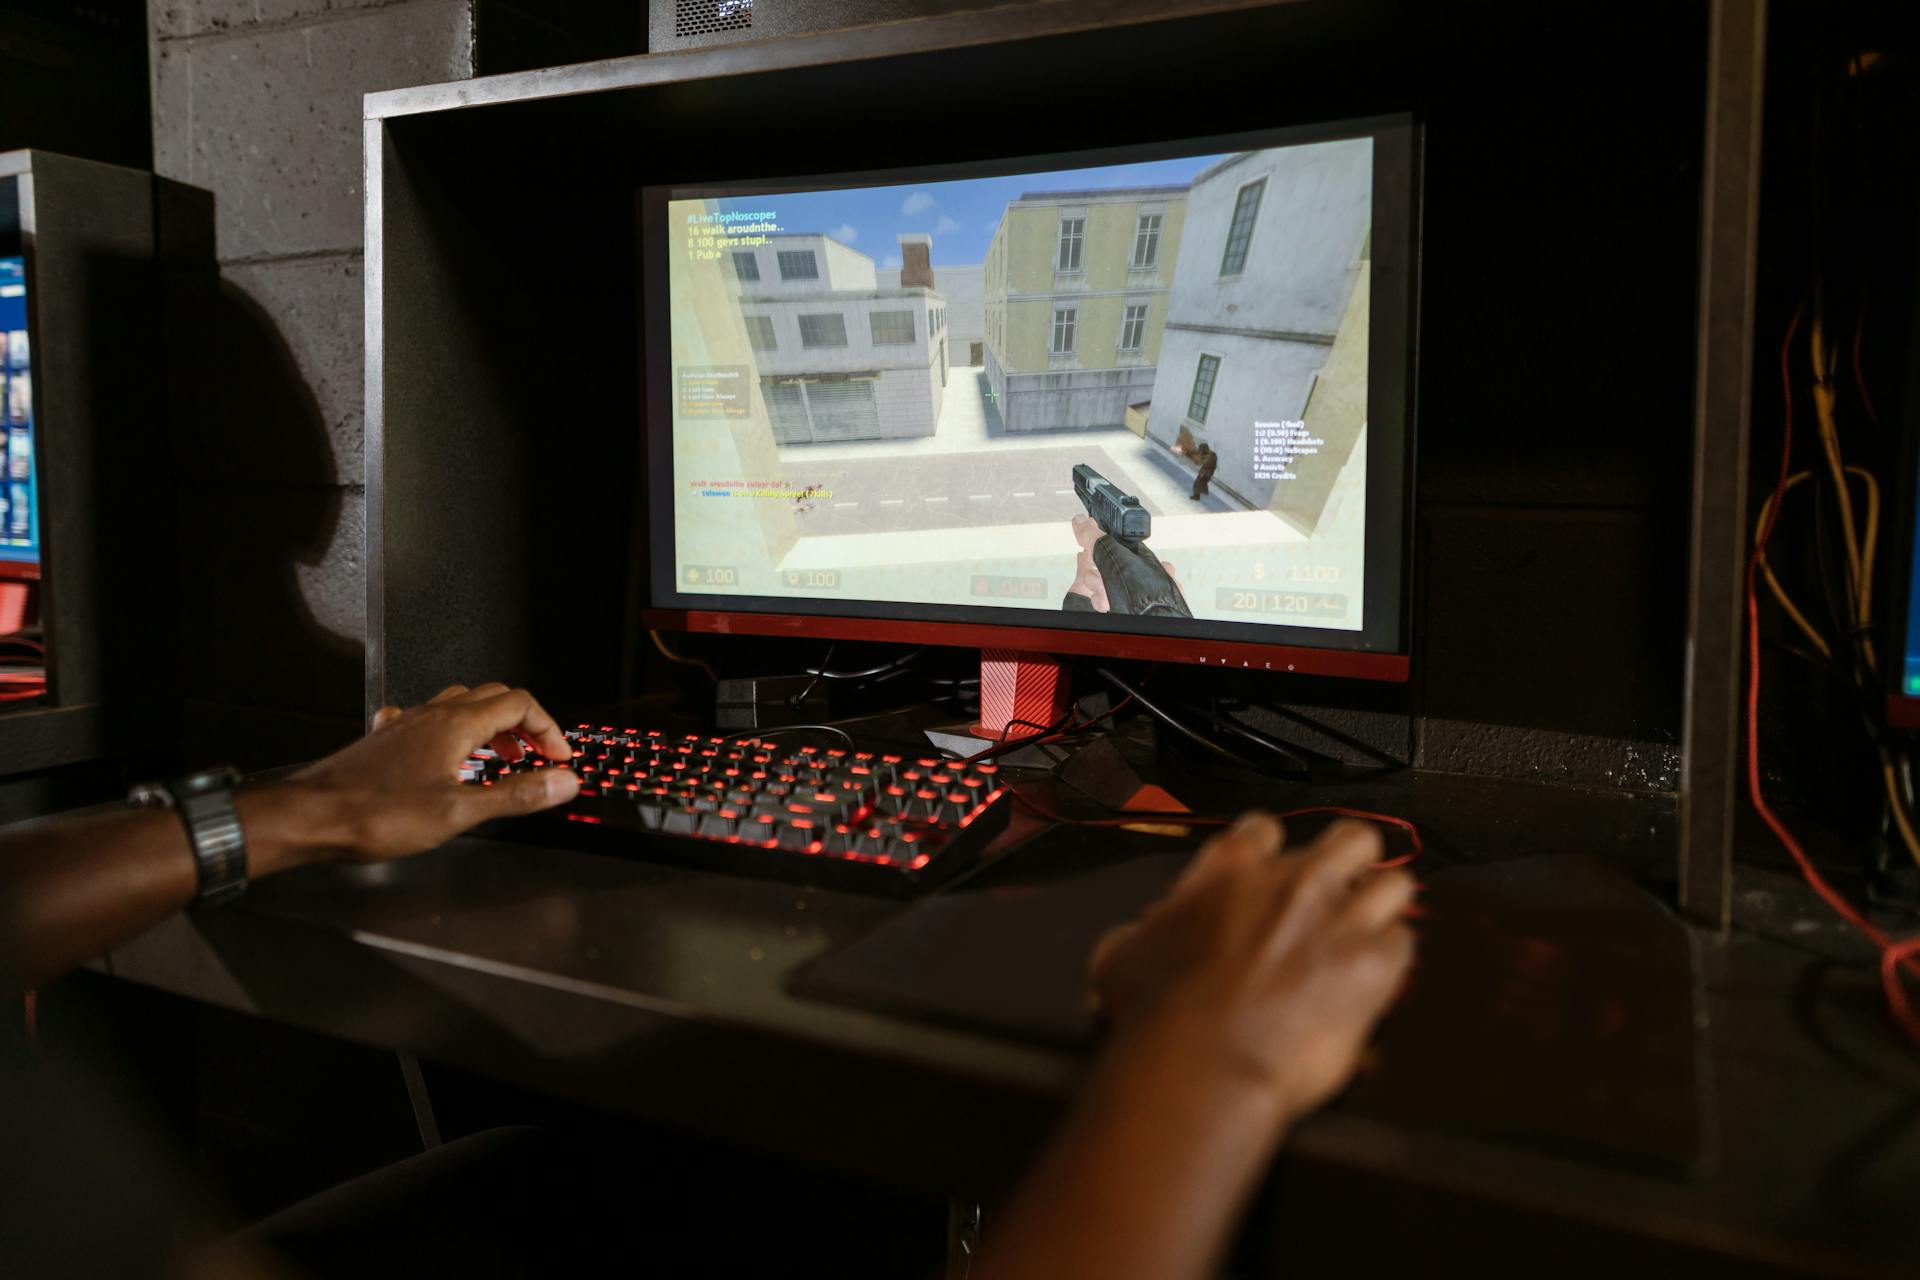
[
  {"x": 1219, "y": 165},
  {"x": 815, "y": 235},
  {"x": 1175, "y": 189}
]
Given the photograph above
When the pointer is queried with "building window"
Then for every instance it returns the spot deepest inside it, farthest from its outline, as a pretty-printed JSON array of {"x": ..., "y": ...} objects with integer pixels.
[
  {"x": 1146, "y": 242},
  {"x": 1204, "y": 376},
  {"x": 1073, "y": 233},
  {"x": 1133, "y": 327},
  {"x": 1246, "y": 207},
  {"x": 746, "y": 266},
  {"x": 1065, "y": 319},
  {"x": 798, "y": 264},
  {"x": 891, "y": 328},
  {"x": 760, "y": 333},
  {"x": 827, "y": 329}
]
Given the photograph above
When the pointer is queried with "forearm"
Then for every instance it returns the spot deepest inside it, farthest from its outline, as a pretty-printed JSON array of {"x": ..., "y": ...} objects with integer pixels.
[
  {"x": 73, "y": 888},
  {"x": 1146, "y": 1179}
]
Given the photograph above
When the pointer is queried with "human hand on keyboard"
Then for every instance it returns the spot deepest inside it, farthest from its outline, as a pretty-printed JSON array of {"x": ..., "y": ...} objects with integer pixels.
[{"x": 396, "y": 791}]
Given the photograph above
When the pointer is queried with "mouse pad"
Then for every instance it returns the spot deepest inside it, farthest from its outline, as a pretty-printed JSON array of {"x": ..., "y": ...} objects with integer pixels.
[
  {"x": 1552, "y": 1001},
  {"x": 1006, "y": 957}
]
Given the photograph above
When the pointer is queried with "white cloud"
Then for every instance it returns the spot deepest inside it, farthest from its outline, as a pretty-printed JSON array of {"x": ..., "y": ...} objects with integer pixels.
[
  {"x": 946, "y": 226},
  {"x": 892, "y": 263},
  {"x": 918, "y": 202},
  {"x": 845, "y": 233}
]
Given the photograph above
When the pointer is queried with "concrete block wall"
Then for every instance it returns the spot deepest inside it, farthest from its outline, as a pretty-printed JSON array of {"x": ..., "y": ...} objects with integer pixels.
[{"x": 259, "y": 101}]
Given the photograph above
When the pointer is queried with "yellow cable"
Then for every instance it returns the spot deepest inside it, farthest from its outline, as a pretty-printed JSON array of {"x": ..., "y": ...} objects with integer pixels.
[
  {"x": 671, "y": 656},
  {"x": 1860, "y": 556},
  {"x": 1873, "y": 537},
  {"x": 1898, "y": 804},
  {"x": 1774, "y": 585},
  {"x": 1818, "y": 641},
  {"x": 1823, "y": 402}
]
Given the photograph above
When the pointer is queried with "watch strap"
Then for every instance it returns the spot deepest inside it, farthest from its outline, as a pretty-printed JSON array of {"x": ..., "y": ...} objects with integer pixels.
[
  {"x": 204, "y": 802},
  {"x": 219, "y": 846}
]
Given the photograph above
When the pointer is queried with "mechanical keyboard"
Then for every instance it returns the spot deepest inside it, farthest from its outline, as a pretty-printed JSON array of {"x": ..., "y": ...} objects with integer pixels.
[{"x": 838, "y": 815}]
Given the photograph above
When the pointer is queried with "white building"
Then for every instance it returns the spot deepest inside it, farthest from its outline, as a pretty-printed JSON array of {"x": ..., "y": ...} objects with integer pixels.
[
  {"x": 965, "y": 290},
  {"x": 1274, "y": 244},
  {"x": 839, "y": 354}
]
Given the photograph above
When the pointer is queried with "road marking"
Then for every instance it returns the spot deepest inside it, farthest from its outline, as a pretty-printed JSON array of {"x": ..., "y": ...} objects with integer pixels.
[
  {"x": 941, "y": 498},
  {"x": 1063, "y": 492},
  {"x": 891, "y": 502},
  {"x": 1027, "y": 494},
  {"x": 981, "y": 497},
  {"x": 840, "y": 506}
]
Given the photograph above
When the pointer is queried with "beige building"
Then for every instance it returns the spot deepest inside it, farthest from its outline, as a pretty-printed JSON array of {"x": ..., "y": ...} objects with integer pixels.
[{"x": 1076, "y": 294}]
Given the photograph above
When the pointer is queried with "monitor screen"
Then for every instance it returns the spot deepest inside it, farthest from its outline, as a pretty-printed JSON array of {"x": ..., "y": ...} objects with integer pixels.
[
  {"x": 1907, "y": 679},
  {"x": 19, "y": 501},
  {"x": 1143, "y": 396}
]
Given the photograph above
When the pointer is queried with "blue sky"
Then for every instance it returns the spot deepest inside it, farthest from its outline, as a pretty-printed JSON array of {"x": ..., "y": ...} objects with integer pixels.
[{"x": 960, "y": 216}]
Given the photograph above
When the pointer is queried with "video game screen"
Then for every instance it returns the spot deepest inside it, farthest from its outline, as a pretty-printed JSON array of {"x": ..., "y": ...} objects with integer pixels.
[
  {"x": 19, "y": 506},
  {"x": 1124, "y": 396}
]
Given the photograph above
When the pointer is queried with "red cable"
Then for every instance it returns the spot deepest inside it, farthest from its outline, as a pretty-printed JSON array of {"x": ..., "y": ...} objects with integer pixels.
[
  {"x": 1890, "y": 961},
  {"x": 1892, "y": 954},
  {"x": 1859, "y": 379},
  {"x": 1413, "y": 832}
]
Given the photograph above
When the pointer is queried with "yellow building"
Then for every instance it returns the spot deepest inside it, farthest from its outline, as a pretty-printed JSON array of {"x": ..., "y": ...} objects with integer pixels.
[{"x": 1076, "y": 298}]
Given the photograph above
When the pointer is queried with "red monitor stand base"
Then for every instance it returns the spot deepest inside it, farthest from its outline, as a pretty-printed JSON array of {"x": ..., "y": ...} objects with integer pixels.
[{"x": 1021, "y": 694}]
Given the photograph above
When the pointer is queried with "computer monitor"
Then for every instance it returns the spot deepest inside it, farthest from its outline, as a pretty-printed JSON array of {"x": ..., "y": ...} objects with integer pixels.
[
  {"x": 1141, "y": 402},
  {"x": 1902, "y": 667},
  {"x": 19, "y": 496}
]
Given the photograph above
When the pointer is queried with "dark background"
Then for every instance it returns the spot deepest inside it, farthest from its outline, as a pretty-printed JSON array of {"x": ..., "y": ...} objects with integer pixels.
[{"x": 73, "y": 79}]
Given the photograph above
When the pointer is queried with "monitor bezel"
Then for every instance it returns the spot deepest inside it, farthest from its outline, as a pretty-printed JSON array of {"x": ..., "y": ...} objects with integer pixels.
[{"x": 1379, "y": 650}]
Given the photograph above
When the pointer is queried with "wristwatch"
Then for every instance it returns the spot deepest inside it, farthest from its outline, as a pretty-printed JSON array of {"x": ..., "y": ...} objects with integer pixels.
[{"x": 204, "y": 802}]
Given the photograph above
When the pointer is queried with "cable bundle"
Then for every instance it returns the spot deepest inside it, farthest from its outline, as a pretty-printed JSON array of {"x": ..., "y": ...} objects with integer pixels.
[{"x": 1895, "y": 955}]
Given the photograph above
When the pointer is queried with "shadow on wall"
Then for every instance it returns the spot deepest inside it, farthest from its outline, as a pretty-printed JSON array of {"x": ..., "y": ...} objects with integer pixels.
[{"x": 265, "y": 680}]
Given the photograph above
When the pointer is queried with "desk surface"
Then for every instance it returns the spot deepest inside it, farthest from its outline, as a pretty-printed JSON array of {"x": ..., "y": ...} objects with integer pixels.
[{"x": 660, "y": 992}]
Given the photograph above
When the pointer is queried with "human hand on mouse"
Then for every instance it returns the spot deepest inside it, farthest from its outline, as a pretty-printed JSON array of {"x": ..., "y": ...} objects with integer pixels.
[
  {"x": 1238, "y": 1003},
  {"x": 1263, "y": 966}
]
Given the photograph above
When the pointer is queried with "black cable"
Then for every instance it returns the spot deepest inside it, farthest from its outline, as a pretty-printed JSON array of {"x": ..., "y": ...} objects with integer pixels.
[
  {"x": 807, "y": 692},
  {"x": 836, "y": 730},
  {"x": 1344, "y": 739},
  {"x": 1042, "y": 730},
  {"x": 1235, "y": 727},
  {"x": 1031, "y": 740},
  {"x": 821, "y": 673},
  {"x": 1167, "y": 719}
]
